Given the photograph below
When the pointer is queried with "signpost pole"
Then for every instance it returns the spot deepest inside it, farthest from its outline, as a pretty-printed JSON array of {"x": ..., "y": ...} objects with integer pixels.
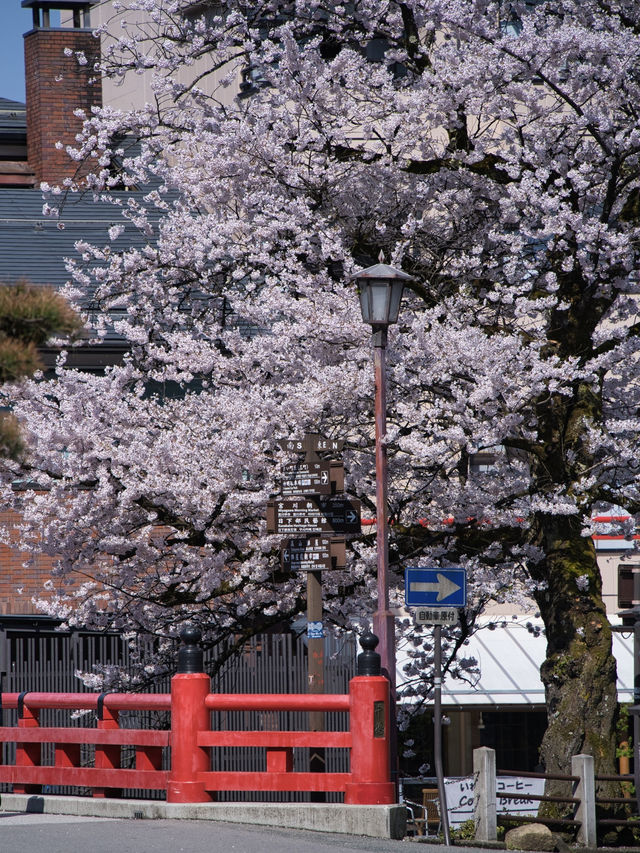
[
  {"x": 437, "y": 730},
  {"x": 635, "y": 604},
  {"x": 437, "y": 593},
  {"x": 315, "y": 659}
]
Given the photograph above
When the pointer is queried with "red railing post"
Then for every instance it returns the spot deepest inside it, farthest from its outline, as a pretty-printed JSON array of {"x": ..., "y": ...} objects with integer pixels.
[
  {"x": 67, "y": 755},
  {"x": 369, "y": 716},
  {"x": 148, "y": 758},
  {"x": 107, "y": 757},
  {"x": 189, "y": 716},
  {"x": 27, "y": 754}
]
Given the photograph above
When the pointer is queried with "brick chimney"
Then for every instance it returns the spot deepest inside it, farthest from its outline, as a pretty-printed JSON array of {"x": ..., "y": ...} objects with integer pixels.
[{"x": 56, "y": 85}]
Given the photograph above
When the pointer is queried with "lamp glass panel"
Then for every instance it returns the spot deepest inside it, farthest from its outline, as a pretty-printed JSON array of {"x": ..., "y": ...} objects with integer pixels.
[
  {"x": 364, "y": 303},
  {"x": 380, "y": 291},
  {"x": 397, "y": 289}
]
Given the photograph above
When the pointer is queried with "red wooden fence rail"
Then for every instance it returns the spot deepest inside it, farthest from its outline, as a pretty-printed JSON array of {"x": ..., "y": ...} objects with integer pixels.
[
  {"x": 28, "y": 774},
  {"x": 190, "y": 779}
]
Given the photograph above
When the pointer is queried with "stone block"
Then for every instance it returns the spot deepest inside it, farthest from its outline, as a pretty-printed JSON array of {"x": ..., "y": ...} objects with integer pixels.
[{"x": 530, "y": 836}]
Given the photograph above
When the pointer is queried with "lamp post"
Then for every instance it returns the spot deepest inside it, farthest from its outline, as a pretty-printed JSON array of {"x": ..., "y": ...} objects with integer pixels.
[{"x": 380, "y": 288}]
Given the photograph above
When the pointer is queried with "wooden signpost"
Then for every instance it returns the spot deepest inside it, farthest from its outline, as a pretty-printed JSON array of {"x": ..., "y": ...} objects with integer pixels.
[{"x": 317, "y": 517}]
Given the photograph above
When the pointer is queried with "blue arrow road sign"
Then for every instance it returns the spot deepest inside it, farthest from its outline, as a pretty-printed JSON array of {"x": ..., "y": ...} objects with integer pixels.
[{"x": 443, "y": 587}]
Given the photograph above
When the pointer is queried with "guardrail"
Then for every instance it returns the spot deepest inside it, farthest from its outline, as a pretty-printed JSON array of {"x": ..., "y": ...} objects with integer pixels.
[{"x": 189, "y": 778}]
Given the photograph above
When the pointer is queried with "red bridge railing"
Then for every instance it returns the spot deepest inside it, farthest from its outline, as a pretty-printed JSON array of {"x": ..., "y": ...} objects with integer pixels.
[
  {"x": 191, "y": 739},
  {"x": 28, "y": 773}
]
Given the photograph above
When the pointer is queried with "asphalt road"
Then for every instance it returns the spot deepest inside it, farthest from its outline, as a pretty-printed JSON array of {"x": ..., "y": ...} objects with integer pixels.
[{"x": 37, "y": 833}]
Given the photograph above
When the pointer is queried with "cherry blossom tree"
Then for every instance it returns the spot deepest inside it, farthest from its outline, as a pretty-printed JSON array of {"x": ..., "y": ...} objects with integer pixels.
[{"x": 491, "y": 150}]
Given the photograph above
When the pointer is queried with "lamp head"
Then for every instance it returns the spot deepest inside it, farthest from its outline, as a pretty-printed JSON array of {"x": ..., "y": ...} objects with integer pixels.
[{"x": 380, "y": 288}]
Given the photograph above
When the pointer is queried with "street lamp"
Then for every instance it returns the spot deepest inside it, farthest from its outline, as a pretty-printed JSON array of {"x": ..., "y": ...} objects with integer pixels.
[{"x": 380, "y": 289}]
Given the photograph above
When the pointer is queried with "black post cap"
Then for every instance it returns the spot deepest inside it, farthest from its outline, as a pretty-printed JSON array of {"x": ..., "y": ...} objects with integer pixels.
[
  {"x": 368, "y": 659},
  {"x": 190, "y": 655}
]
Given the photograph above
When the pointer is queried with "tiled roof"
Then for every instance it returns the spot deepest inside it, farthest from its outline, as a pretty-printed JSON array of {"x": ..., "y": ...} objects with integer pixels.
[
  {"x": 13, "y": 116},
  {"x": 34, "y": 246}
]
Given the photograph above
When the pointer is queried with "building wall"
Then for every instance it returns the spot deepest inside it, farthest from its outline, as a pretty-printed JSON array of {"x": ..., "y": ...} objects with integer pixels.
[
  {"x": 133, "y": 90},
  {"x": 56, "y": 85},
  {"x": 21, "y": 578}
]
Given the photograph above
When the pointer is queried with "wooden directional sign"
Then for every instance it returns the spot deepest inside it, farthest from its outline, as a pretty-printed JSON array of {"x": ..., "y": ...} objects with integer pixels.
[
  {"x": 313, "y": 515},
  {"x": 307, "y": 478},
  {"x": 313, "y": 554},
  {"x": 313, "y": 477}
]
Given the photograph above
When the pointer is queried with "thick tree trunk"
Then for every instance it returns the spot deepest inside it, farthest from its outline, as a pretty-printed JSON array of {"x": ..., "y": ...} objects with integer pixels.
[{"x": 579, "y": 673}]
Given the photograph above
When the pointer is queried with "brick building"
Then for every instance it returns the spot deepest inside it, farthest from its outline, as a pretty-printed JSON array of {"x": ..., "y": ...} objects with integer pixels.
[
  {"x": 20, "y": 579},
  {"x": 32, "y": 246},
  {"x": 56, "y": 85}
]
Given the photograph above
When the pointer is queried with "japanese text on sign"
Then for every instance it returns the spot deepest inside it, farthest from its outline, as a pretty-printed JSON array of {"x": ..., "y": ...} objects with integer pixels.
[
  {"x": 460, "y": 794},
  {"x": 436, "y": 616},
  {"x": 307, "y": 478},
  {"x": 313, "y": 515}
]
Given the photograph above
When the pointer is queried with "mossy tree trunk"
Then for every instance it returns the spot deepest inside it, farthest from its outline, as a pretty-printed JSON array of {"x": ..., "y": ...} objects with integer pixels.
[{"x": 579, "y": 673}]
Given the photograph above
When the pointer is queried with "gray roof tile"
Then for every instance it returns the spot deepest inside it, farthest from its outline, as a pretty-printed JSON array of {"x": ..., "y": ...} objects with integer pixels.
[
  {"x": 34, "y": 247},
  {"x": 13, "y": 116}
]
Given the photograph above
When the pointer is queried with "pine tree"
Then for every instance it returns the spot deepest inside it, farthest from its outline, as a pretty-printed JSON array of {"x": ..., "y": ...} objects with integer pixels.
[{"x": 29, "y": 316}]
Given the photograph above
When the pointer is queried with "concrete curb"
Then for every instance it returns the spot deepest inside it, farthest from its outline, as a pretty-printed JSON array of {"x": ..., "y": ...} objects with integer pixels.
[{"x": 373, "y": 821}]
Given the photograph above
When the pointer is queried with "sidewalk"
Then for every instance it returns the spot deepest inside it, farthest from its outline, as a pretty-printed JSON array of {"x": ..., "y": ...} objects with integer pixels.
[{"x": 372, "y": 821}]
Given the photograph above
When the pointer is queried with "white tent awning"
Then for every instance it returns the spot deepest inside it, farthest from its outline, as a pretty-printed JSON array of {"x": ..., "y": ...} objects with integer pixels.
[{"x": 509, "y": 660}]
